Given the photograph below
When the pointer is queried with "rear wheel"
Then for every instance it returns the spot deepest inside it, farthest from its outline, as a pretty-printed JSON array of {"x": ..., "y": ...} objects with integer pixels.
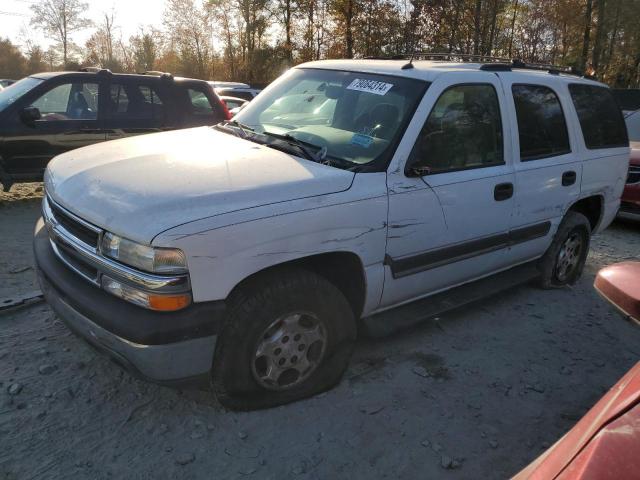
[
  {"x": 564, "y": 261},
  {"x": 289, "y": 335}
]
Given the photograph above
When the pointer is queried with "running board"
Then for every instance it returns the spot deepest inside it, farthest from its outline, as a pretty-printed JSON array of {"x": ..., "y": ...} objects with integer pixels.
[{"x": 399, "y": 318}]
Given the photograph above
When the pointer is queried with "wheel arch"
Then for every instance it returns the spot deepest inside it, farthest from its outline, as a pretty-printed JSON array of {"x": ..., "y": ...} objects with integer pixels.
[
  {"x": 344, "y": 269},
  {"x": 591, "y": 207}
]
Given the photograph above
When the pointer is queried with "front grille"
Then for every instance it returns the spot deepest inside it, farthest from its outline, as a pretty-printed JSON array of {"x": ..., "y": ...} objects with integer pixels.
[
  {"x": 75, "y": 242},
  {"x": 68, "y": 256},
  {"x": 77, "y": 229},
  {"x": 634, "y": 174}
]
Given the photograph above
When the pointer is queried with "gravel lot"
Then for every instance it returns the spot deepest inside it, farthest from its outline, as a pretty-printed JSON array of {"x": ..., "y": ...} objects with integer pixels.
[{"x": 478, "y": 393}]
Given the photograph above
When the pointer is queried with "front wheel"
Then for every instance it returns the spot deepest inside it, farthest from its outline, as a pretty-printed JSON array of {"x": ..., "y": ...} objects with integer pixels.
[
  {"x": 289, "y": 335},
  {"x": 563, "y": 262}
]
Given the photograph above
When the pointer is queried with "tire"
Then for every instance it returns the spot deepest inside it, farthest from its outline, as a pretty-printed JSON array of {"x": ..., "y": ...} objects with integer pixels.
[
  {"x": 262, "y": 313},
  {"x": 557, "y": 268}
]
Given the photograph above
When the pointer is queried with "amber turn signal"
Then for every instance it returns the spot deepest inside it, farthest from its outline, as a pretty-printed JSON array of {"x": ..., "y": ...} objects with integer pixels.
[{"x": 168, "y": 303}]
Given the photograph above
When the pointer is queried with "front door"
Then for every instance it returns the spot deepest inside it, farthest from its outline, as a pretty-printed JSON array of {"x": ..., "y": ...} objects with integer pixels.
[
  {"x": 450, "y": 205},
  {"x": 70, "y": 118}
]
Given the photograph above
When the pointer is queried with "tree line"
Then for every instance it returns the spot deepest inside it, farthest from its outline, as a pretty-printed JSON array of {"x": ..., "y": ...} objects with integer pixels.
[{"x": 256, "y": 40}]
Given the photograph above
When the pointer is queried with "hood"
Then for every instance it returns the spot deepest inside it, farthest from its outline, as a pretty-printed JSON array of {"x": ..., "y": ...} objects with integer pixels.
[{"x": 141, "y": 186}]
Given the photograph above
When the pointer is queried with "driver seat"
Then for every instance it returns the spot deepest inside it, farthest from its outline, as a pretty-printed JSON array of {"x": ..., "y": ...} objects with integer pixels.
[{"x": 78, "y": 107}]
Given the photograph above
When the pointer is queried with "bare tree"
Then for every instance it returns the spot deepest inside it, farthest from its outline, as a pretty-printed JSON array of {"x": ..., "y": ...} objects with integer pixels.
[
  {"x": 477, "y": 15},
  {"x": 188, "y": 24},
  {"x": 597, "y": 47},
  {"x": 59, "y": 19},
  {"x": 587, "y": 34},
  {"x": 101, "y": 45}
]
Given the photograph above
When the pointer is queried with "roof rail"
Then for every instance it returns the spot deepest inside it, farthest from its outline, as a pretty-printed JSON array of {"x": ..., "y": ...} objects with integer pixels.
[
  {"x": 452, "y": 57},
  {"x": 553, "y": 69},
  {"x": 94, "y": 70},
  {"x": 157, "y": 73},
  {"x": 490, "y": 63},
  {"x": 519, "y": 64}
]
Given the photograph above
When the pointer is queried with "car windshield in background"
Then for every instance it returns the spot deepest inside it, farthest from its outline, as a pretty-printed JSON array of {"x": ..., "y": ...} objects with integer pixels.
[
  {"x": 633, "y": 126},
  {"x": 357, "y": 117},
  {"x": 16, "y": 90}
]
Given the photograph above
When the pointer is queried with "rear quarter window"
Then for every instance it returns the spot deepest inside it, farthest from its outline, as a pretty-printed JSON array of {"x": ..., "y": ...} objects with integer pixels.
[
  {"x": 600, "y": 117},
  {"x": 203, "y": 106},
  {"x": 542, "y": 128}
]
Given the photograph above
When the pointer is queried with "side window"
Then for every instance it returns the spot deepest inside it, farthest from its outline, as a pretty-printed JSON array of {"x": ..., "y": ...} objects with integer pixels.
[
  {"x": 119, "y": 99},
  {"x": 69, "y": 101},
  {"x": 150, "y": 96},
  {"x": 199, "y": 102},
  {"x": 542, "y": 128},
  {"x": 133, "y": 101},
  {"x": 600, "y": 117},
  {"x": 464, "y": 130}
]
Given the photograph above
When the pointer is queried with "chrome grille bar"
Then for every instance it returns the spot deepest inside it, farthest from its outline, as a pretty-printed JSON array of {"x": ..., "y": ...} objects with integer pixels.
[{"x": 62, "y": 241}]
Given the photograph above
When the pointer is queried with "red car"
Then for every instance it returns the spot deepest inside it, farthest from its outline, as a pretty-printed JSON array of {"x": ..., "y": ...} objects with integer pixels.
[
  {"x": 605, "y": 443},
  {"x": 630, "y": 204}
]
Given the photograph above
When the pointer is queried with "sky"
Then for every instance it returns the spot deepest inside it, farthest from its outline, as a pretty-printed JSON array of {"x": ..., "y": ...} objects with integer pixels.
[{"x": 130, "y": 15}]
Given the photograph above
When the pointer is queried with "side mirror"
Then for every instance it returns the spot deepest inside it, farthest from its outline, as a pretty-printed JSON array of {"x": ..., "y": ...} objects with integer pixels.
[
  {"x": 417, "y": 170},
  {"x": 30, "y": 114}
]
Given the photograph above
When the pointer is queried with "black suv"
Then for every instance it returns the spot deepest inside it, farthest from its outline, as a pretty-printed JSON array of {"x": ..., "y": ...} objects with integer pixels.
[{"x": 47, "y": 114}]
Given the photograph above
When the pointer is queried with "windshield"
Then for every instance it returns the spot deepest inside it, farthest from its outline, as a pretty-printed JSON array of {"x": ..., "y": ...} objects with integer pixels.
[
  {"x": 633, "y": 126},
  {"x": 357, "y": 117},
  {"x": 13, "y": 92}
]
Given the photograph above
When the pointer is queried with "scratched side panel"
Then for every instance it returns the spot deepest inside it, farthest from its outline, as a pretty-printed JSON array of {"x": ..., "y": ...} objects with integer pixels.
[
  {"x": 606, "y": 176},
  {"x": 224, "y": 250}
]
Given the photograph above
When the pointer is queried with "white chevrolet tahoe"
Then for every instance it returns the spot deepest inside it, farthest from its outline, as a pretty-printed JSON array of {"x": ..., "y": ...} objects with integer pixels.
[{"x": 252, "y": 253}]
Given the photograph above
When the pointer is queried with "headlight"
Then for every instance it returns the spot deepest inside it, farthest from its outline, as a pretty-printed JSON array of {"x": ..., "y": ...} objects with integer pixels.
[{"x": 143, "y": 257}]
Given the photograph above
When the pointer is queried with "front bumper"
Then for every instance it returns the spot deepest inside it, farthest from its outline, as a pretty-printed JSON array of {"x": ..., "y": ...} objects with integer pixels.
[{"x": 174, "y": 347}]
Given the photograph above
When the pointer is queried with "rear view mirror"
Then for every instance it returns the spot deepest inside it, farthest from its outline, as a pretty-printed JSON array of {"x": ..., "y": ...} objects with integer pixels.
[
  {"x": 30, "y": 114},
  {"x": 333, "y": 92}
]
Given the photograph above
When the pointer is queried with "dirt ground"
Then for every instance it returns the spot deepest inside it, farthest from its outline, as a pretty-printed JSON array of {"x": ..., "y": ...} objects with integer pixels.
[{"x": 477, "y": 394}]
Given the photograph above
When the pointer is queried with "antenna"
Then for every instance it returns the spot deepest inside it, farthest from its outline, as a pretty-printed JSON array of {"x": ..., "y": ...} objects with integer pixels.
[{"x": 408, "y": 66}]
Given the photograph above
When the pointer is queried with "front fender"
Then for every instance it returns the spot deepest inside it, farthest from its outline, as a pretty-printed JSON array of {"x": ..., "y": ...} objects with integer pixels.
[{"x": 221, "y": 256}]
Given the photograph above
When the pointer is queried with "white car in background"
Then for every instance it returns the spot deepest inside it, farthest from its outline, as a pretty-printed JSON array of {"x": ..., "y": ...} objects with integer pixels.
[{"x": 235, "y": 89}]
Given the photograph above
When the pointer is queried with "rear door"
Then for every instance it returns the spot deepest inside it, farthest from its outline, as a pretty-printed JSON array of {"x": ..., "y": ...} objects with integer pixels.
[
  {"x": 547, "y": 166},
  {"x": 451, "y": 225},
  {"x": 136, "y": 106},
  {"x": 71, "y": 117}
]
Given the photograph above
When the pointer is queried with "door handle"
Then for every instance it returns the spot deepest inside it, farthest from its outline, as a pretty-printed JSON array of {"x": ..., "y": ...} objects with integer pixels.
[
  {"x": 568, "y": 178},
  {"x": 503, "y": 191}
]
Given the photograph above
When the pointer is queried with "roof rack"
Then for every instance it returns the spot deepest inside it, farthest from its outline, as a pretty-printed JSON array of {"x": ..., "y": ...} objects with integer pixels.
[
  {"x": 157, "y": 73},
  {"x": 94, "y": 70},
  {"x": 452, "y": 57},
  {"x": 490, "y": 63},
  {"x": 521, "y": 65}
]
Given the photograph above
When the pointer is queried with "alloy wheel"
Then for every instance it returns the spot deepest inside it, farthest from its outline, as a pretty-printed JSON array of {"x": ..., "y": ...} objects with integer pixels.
[{"x": 289, "y": 351}]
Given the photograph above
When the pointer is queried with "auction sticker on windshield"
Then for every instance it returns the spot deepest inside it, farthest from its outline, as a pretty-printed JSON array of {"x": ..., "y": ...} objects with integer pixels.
[
  {"x": 361, "y": 140},
  {"x": 370, "y": 86}
]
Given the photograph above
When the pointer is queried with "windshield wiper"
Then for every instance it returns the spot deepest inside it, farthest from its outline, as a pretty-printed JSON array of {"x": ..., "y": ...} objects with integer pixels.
[
  {"x": 245, "y": 129},
  {"x": 317, "y": 156}
]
